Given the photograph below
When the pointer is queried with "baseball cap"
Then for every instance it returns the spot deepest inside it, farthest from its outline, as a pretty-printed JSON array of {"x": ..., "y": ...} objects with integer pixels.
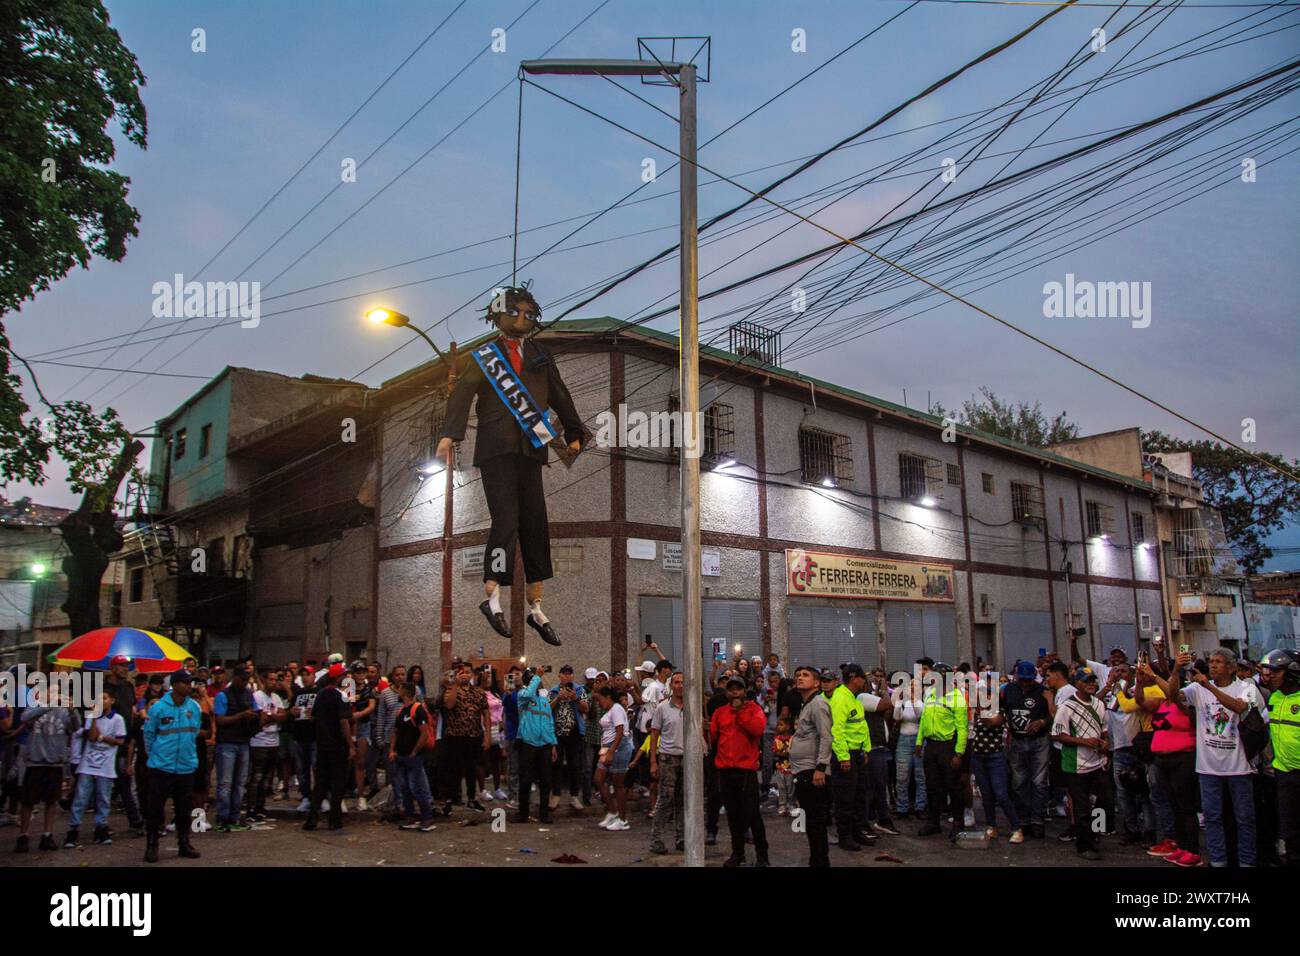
[
  {"x": 335, "y": 658},
  {"x": 337, "y": 669},
  {"x": 735, "y": 680},
  {"x": 120, "y": 659},
  {"x": 827, "y": 674},
  {"x": 647, "y": 666},
  {"x": 1083, "y": 673},
  {"x": 182, "y": 677},
  {"x": 591, "y": 673},
  {"x": 1026, "y": 670}
]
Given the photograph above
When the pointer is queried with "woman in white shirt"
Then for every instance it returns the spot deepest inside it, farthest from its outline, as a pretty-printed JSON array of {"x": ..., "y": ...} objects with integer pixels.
[
  {"x": 908, "y": 767},
  {"x": 615, "y": 754}
]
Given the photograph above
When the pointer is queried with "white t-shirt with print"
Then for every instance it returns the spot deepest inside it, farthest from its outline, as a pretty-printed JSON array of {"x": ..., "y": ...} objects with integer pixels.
[
  {"x": 98, "y": 759},
  {"x": 268, "y": 736},
  {"x": 1219, "y": 751}
]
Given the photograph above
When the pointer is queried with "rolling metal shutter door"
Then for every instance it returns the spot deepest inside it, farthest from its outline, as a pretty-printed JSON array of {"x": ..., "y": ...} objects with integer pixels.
[
  {"x": 940, "y": 625},
  {"x": 1117, "y": 635},
  {"x": 661, "y": 618},
  {"x": 904, "y": 636},
  {"x": 915, "y": 632},
  {"x": 729, "y": 622},
  {"x": 830, "y": 636},
  {"x": 1023, "y": 633},
  {"x": 733, "y": 622}
]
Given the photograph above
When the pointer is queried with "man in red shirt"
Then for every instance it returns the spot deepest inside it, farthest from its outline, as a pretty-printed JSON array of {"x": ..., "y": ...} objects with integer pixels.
[{"x": 736, "y": 737}]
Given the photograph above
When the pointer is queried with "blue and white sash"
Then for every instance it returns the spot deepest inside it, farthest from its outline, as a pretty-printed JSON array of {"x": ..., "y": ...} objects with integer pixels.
[{"x": 536, "y": 423}]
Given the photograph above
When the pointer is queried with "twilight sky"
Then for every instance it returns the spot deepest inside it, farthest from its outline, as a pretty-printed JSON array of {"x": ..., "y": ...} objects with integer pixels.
[{"x": 229, "y": 126}]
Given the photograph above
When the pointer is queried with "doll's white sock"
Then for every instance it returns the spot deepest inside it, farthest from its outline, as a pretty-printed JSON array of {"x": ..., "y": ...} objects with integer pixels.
[
  {"x": 494, "y": 600},
  {"x": 535, "y": 609}
]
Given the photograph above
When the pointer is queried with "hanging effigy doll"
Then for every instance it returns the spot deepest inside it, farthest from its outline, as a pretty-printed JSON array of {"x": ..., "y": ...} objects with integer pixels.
[{"x": 520, "y": 397}]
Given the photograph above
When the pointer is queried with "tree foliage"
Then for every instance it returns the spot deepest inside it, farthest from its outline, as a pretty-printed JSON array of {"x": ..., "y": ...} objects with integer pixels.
[
  {"x": 1253, "y": 498},
  {"x": 67, "y": 77},
  {"x": 1018, "y": 421}
]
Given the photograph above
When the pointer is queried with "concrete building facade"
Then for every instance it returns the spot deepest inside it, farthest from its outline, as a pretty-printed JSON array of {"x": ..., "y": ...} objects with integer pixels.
[{"x": 797, "y": 469}]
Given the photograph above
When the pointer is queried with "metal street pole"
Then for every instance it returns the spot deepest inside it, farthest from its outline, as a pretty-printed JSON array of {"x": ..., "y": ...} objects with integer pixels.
[
  {"x": 448, "y": 522},
  {"x": 689, "y": 385},
  {"x": 689, "y": 388}
]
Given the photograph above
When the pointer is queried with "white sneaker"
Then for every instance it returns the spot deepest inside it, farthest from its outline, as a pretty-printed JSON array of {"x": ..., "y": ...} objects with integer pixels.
[
  {"x": 619, "y": 825},
  {"x": 361, "y": 804},
  {"x": 304, "y": 806},
  {"x": 487, "y": 796},
  {"x": 575, "y": 803},
  {"x": 609, "y": 818},
  {"x": 968, "y": 818},
  {"x": 501, "y": 794},
  {"x": 512, "y": 804},
  {"x": 325, "y": 805},
  {"x": 344, "y": 804}
]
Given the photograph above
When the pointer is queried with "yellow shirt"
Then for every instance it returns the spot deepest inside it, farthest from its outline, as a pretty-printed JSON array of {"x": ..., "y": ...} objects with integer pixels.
[{"x": 1128, "y": 704}]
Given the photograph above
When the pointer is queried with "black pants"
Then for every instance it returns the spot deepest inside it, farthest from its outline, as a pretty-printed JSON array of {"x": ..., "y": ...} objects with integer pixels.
[
  {"x": 1178, "y": 771},
  {"x": 534, "y": 766},
  {"x": 331, "y": 778},
  {"x": 458, "y": 759},
  {"x": 814, "y": 802},
  {"x": 712, "y": 795},
  {"x": 849, "y": 788},
  {"x": 941, "y": 781},
  {"x": 740, "y": 797},
  {"x": 570, "y": 747},
  {"x": 261, "y": 776},
  {"x": 122, "y": 787},
  {"x": 1288, "y": 813},
  {"x": 512, "y": 485},
  {"x": 178, "y": 786},
  {"x": 1082, "y": 787}
]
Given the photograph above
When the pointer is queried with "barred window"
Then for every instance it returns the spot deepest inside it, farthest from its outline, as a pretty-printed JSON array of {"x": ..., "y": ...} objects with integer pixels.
[
  {"x": 954, "y": 475},
  {"x": 986, "y": 482},
  {"x": 1139, "y": 528},
  {"x": 825, "y": 458},
  {"x": 1101, "y": 519},
  {"x": 1026, "y": 502},
  {"x": 719, "y": 431},
  {"x": 920, "y": 477}
]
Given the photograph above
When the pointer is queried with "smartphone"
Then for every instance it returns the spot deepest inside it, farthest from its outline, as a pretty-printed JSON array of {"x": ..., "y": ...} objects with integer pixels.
[{"x": 1184, "y": 648}]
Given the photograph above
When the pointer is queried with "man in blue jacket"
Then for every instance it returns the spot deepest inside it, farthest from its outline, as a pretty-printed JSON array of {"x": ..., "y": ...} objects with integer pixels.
[
  {"x": 535, "y": 746},
  {"x": 170, "y": 733}
]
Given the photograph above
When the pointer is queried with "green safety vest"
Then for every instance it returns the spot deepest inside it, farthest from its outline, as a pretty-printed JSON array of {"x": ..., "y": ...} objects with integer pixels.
[{"x": 1284, "y": 729}]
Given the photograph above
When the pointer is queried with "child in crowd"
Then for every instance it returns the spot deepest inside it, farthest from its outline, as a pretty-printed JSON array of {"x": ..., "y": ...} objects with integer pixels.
[
  {"x": 95, "y": 757},
  {"x": 781, "y": 774}
]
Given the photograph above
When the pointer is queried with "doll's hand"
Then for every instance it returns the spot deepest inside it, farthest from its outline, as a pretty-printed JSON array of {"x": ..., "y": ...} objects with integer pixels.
[{"x": 444, "y": 449}]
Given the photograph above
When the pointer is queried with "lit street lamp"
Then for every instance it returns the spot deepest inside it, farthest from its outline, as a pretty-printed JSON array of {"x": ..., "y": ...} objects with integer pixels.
[{"x": 383, "y": 316}]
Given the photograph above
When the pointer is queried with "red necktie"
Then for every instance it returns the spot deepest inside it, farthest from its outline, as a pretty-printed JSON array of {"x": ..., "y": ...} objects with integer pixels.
[{"x": 516, "y": 359}]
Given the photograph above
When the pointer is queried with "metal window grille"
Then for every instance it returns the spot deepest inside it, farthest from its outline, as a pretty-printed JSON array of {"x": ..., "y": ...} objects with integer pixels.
[
  {"x": 986, "y": 482},
  {"x": 1101, "y": 518},
  {"x": 921, "y": 477},
  {"x": 824, "y": 456},
  {"x": 750, "y": 340},
  {"x": 954, "y": 475},
  {"x": 1139, "y": 528},
  {"x": 1027, "y": 502},
  {"x": 719, "y": 431},
  {"x": 1191, "y": 545}
]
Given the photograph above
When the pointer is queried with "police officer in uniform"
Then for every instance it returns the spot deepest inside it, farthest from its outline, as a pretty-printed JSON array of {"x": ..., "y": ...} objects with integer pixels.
[{"x": 1281, "y": 675}]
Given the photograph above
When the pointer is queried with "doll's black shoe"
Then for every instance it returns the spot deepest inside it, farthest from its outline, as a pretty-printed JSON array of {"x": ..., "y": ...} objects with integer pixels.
[
  {"x": 545, "y": 630},
  {"x": 496, "y": 619}
]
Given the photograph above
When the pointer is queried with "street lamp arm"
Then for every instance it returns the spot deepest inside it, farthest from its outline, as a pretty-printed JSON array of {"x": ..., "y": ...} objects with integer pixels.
[{"x": 424, "y": 335}]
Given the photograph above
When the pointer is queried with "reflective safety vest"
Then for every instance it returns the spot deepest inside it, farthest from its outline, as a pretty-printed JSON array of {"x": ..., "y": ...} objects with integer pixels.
[
  {"x": 944, "y": 718},
  {"x": 1284, "y": 729}
]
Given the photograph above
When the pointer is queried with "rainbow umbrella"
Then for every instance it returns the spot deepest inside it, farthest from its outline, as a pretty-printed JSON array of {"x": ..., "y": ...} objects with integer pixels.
[{"x": 150, "y": 653}]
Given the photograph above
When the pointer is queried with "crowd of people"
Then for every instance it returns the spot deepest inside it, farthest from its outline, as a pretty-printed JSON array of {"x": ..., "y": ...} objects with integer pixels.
[{"x": 1152, "y": 752}]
